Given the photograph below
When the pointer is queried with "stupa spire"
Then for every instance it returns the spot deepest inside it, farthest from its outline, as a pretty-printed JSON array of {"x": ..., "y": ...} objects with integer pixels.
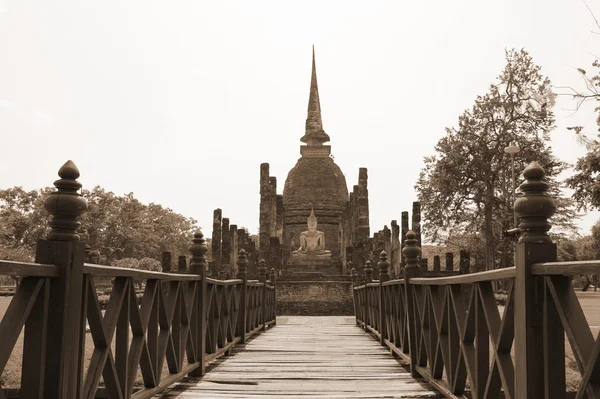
[{"x": 314, "y": 134}]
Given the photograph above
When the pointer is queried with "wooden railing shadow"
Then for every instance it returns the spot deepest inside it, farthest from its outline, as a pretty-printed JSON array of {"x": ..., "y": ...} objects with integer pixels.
[
  {"x": 185, "y": 319},
  {"x": 450, "y": 330}
]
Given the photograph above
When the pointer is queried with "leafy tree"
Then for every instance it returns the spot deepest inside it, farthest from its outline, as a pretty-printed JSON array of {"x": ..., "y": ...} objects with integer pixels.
[
  {"x": 465, "y": 188},
  {"x": 23, "y": 217},
  {"x": 585, "y": 182},
  {"x": 116, "y": 226}
]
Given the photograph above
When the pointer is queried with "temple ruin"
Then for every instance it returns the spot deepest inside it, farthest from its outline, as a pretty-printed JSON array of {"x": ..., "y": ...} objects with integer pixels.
[{"x": 315, "y": 191}]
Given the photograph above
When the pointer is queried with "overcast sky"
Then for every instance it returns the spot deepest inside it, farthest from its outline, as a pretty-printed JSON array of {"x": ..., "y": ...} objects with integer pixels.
[{"x": 180, "y": 101}]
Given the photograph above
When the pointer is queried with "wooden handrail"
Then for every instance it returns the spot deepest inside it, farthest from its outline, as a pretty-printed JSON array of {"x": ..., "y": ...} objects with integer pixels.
[
  {"x": 234, "y": 281},
  {"x": 490, "y": 275},
  {"x": 566, "y": 268},
  {"x": 255, "y": 284},
  {"x": 25, "y": 269},
  {"x": 450, "y": 330},
  {"x": 393, "y": 282},
  {"x": 180, "y": 316},
  {"x": 112, "y": 271}
]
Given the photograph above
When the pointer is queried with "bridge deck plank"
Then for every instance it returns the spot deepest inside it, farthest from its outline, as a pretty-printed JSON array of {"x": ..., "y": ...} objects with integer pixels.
[{"x": 306, "y": 357}]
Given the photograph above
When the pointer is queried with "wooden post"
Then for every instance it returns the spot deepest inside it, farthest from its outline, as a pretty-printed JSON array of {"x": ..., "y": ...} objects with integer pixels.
[
  {"x": 63, "y": 368},
  {"x": 383, "y": 277},
  {"x": 198, "y": 266},
  {"x": 262, "y": 277},
  {"x": 273, "y": 280},
  {"x": 411, "y": 252},
  {"x": 262, "y": 270},
  {"x": 368, "y": 272},
  {"x": 353, "y": 277},
  {"x": 368, "y": 279},
  {"x": 534, "y": 209},
  {"x": 243, "y": 275}
]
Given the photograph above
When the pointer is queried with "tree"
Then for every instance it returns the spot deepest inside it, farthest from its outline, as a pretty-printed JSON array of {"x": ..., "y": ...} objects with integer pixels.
[
  {"x": 465, "y": 188},
  {"x": 584, "y": 181},
  {"x": 587, "y": 169},
  {"x": 116, "y": 226}
]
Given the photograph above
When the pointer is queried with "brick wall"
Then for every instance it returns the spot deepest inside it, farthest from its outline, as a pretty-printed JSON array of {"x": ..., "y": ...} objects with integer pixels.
[{"x": 315, "y": 298}]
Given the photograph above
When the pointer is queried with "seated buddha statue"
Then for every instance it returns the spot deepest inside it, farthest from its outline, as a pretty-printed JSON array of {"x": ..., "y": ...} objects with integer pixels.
[{"x": 312, "y": 242}]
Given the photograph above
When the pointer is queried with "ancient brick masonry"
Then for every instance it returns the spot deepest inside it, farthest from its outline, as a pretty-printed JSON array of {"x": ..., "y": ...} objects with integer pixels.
[
  {"x": 271, "y": 213},
  {"x": 392, "y": 241},
  {"x": 227, "y": 240},
  {"x": 396, "y": 257},
  {"x": 215, "y": 265},
  {"x": 315, "y": 184}
]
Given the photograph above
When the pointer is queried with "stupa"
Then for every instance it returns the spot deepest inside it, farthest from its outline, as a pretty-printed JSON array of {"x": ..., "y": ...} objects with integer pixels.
[{"x": 315, "y": 190}]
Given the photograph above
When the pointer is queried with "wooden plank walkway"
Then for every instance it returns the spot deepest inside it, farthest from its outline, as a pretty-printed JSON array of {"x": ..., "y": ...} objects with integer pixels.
[{"x": 306, "y": 357}]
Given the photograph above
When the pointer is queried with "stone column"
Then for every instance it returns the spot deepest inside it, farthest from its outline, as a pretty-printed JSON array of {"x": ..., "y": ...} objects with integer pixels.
[
  {"x": 182, "y": 264},
  {"x": 416, "y": 221},
  {"x": 216, "y": 243},
  {"x": 166, "y": 262},
  {"x": 437, "y": 266},
  {"x": 363, "y": 204},
  {"x": 273, "y": 206},
  {"x": 404, "y": 222},
  {"x": 424, "y": 265},
  {"x": 449, "y": 261},
  {"x": 465, "y": 262},
  {"x": 225, "y": 249},
  {"x": 265, "y": 208},
  {"x": 233, "y": 239},
  {"x": 279, "y": 217},
  {"x": 386, "y": 238},
  {"x": 275, "y": 252},
  {"x": 396, "y": 256}
]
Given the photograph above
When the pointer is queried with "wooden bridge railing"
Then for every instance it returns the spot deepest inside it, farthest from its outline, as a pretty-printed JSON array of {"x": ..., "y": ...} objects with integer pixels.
[
  {"x": 451, "y": 330},
  {"x": 185, "y": 319}
]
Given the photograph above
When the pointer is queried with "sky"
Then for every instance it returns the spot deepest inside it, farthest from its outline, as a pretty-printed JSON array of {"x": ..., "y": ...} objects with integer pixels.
[{"x": 180, "y": 102}]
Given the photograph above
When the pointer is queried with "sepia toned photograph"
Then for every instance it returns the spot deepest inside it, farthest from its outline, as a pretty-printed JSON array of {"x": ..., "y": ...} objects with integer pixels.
[{"x": 299, "y": 199}]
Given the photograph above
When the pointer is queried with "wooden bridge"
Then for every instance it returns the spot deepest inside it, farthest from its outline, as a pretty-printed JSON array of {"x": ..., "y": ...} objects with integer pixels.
[{"x": 190, "y": 336}]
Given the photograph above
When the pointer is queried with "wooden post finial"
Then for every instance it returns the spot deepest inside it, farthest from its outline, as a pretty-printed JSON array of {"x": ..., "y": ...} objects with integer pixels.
[
  {"x": 262, "y": 270},
  {"x": 198, "y": 249},
  {"x": 368, "y": 272},
  {"x": 535, "y": 206},
  {"x": 411, "y": 250},
  {"x": 242, "y": 264},
  {"x": 88, "y": 253},
  {"x": 272, "y": 276},
  {"x": 353, "y": 276},
  {"x": 384, "y": 266},
  {"x": 65, "y": 204}
]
